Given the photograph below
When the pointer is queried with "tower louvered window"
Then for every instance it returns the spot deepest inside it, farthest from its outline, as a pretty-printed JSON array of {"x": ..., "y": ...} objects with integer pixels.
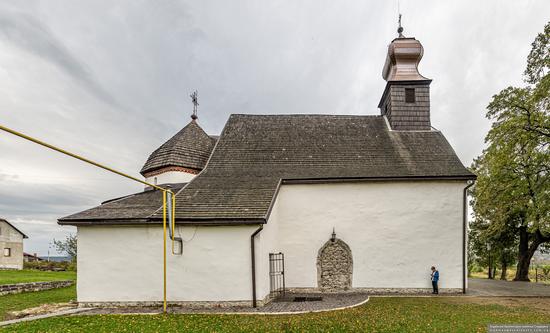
[{"x": 409, "y": 95}]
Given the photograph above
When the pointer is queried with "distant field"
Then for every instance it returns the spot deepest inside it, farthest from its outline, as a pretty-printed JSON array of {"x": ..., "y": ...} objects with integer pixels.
[
  {"x": 28, "y": 275},
  {"x": 511, "y": 273}
]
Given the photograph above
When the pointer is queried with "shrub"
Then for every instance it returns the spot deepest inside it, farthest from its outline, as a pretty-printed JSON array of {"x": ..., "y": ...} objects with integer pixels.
[{"x": 50, "y": 265}]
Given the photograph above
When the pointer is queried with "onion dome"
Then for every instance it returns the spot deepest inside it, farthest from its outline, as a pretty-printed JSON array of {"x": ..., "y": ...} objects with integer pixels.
[
  {"x": 187, "y": 151},
  {"x": 404, "y": 55}
]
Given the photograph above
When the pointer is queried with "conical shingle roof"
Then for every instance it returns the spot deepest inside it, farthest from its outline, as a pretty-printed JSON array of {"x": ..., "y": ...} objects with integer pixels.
[{"x": 190, "y": 148}]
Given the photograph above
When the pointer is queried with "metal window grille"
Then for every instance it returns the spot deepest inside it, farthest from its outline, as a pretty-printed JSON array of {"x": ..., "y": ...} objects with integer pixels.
[{"x": 276, "y": 274}]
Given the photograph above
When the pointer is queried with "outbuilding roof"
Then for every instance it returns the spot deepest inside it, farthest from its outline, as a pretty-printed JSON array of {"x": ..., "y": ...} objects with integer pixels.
[
  {"x": 11, "y": 225},
  {"x": 256, "y": 153},
  {"x": 189, "y": 148}
]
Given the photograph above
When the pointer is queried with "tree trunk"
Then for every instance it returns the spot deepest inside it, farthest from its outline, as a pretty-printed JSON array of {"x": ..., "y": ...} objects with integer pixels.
[
  {"x": 489, "y": 275},
  {"x": 504, "y": 268},
  {"x": 526, "y": 251},
  {"x": 522, "y": 271}
]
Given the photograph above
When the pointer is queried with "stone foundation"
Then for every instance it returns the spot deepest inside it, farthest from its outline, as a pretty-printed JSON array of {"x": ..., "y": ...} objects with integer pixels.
[
  {"x": 198, "y": 305},
  {"x": 378, "y": 291},
  {"x": 32, "y": 286},
  {"x": 189, "y": 304}
]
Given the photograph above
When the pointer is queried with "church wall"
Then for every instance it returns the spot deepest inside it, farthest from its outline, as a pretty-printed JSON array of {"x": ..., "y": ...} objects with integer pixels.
[
  {"x": 171, "y": 177},
  {"x": 396, "y": 231},
  {"x": 124, "y": 264},
  {"x": 266, "y": 243}
]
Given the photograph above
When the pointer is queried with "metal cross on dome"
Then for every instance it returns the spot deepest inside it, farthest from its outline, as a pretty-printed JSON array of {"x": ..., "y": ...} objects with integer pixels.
[
  {"x": 195, "y": 100},
  {"x": 400, "y": 28}
]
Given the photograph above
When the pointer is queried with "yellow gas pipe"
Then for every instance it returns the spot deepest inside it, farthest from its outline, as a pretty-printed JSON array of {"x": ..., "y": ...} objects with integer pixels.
[{"x": 164, "y": 193}]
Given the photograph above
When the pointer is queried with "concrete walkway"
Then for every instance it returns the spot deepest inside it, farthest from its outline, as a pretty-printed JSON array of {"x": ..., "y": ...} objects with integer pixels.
[
  {"x": 486, "y": 287},
  {"x": 48, "y": 315},
  {"x": 288, "y": 305}
]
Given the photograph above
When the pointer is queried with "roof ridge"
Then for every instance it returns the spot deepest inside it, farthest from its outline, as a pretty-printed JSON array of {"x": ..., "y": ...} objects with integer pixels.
[
  {"x": 306, "y": 115},
  {"x": 14, "y": 227}
]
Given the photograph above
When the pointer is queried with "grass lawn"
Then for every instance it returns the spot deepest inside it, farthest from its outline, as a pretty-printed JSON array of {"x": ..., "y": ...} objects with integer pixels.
[
  {"x": 400, "y": 314},
  {"x": 26, "y": 300},
  {"x": 30, "y": 275}
]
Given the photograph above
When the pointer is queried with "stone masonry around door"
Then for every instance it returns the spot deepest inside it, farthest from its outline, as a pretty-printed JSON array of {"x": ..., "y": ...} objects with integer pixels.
[{"x": 334, "y": 266}]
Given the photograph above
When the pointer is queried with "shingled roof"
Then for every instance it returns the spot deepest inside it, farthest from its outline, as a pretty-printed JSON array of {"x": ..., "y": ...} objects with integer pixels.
[
  {"x": 189, "y": 148},
  {"x": 130, "y": 209},
  {"x": 256, "y": 153}
]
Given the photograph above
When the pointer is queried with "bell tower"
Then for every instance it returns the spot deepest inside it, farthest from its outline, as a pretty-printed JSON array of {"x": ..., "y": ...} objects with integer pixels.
[{"x": 406, "y": 99}]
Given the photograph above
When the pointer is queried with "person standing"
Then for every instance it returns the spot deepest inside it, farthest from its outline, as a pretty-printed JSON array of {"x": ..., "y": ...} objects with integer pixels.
[{"x": 435, "y": 280}]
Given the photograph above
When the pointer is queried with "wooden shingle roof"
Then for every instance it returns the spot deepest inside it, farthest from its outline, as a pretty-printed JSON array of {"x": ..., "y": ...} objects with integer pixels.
[
  {"x": 130, "y": 209},
  {"x": 189, "y": 148},
  {"x": 256, "y": 153}
]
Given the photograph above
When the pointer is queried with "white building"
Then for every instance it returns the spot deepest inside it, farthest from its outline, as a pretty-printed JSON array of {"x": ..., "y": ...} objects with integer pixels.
[{"x": 352, "y": 202}]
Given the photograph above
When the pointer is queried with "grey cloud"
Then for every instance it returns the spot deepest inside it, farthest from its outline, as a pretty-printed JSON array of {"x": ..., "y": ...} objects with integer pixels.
[
  {"x": 7, "y": 177},
  {"x": 243, "y": 57},
  {"x": 38, "y": 200},
  {"x": 31, "y": 35}
]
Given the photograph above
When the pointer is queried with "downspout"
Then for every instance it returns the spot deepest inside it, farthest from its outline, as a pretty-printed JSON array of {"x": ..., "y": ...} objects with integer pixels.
[
  {"x": 253, "y": 257},
  {"x": 464, "y": 228}
]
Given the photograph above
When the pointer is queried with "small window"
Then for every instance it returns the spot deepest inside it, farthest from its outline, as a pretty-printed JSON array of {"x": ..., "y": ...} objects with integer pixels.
[
  {"x": 7, "y": 252},
  {"x": 409, "y": 95}
]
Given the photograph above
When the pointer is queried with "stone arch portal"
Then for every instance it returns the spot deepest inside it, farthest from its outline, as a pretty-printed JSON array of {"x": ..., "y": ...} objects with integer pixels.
[{"x": 334, "y": 266}]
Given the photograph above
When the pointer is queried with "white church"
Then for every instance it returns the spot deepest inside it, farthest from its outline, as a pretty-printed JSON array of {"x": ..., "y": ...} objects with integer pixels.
[{"x": 302, "y": 202}]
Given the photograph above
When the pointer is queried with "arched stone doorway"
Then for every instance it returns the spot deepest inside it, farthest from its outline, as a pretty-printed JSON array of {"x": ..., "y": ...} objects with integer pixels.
[{"x": 334, "y": 266}]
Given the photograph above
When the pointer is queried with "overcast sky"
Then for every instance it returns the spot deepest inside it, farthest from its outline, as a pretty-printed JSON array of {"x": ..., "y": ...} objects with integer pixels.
[{"x": 111, "y": 79}]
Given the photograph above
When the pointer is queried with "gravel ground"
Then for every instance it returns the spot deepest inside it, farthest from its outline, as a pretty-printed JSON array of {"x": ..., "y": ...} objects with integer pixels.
[{"x": 286, "y": 304}]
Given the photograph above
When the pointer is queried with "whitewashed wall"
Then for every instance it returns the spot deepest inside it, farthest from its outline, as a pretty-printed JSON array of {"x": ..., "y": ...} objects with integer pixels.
[
  {"x": 124, "y": 264},
  {"x": 396, "y": 231},
  {"x": 170, "y": 177}
]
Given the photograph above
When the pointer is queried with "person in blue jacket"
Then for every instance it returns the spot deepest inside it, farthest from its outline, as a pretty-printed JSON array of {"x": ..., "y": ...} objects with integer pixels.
[{"x": 435, "y": 279}]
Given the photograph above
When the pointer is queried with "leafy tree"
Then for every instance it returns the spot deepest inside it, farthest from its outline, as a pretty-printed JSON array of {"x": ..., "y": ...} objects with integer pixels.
[
  {"x": 513, "y": 190},
  {"x": 490, "y": 248},
  {"x": 67, "y": 246}
]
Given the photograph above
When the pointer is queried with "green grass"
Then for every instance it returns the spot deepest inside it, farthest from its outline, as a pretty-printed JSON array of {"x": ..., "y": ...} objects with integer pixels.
[
  {"x": 29, "y": 275},
  {"x": 16, "y": 302},
  {"x": 442, "y": 314}
]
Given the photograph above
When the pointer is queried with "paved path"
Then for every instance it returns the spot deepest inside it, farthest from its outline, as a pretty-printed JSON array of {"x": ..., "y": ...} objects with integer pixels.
[
  {"x": 286, "y": 306},
  {"x": 48, "y": 315},
  {"x": 486, "y": 287}
]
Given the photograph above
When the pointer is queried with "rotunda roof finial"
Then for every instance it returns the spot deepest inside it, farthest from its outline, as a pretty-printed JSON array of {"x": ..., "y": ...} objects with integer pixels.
[{"x": 195, "y": 100}]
